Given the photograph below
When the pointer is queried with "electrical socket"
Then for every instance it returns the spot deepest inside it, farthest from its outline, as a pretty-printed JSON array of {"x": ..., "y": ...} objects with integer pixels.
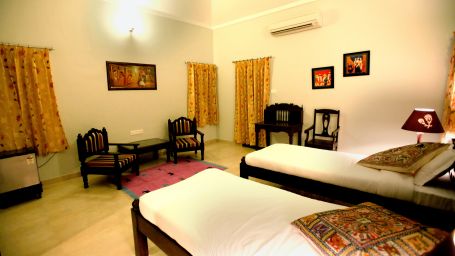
[{"x": 136, "y": 132}]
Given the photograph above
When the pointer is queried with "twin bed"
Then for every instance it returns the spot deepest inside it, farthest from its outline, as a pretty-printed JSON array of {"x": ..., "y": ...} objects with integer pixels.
[
  {"x": 337, "y": 175},
  {"x": 217, "y": 213}
]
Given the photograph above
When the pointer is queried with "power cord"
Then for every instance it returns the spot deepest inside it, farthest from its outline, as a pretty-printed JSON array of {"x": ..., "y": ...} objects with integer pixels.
[{"x": 53, "y": 154}]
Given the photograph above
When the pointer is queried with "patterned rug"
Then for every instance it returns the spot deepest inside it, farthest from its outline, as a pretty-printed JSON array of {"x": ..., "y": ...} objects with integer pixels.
[{"x": 163, "y": 175}]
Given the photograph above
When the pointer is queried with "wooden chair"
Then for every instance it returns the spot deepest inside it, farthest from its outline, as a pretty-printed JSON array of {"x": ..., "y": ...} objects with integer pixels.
[
  {"x": 95, "y": 157},
  {"x": 318, "y": 135},
  {"x": 183, "y": 137}
]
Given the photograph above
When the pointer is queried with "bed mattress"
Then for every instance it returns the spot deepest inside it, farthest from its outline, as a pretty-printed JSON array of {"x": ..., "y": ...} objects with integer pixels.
[
  {"x": 341, "y": 168},
  {"x": 217, "y": 213}
]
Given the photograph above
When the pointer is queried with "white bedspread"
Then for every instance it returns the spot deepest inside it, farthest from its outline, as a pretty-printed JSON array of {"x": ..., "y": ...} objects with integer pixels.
[
  {"x": 340, "y": 168},
  {"x": 337, "y": 168},
  {"x": 217, "y": 213}
]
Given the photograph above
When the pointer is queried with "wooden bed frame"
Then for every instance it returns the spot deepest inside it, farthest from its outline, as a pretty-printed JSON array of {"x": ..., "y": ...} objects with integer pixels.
[
  {"x": 327, "y": 192},
  {"x": 143, "y": 229}
]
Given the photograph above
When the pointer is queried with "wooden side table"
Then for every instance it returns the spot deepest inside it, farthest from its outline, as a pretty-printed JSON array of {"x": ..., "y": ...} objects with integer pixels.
[{"x": 148, "y": 145}]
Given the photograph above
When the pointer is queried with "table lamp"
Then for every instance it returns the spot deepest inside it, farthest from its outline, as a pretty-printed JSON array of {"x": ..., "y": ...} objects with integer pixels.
[{"x": 423, "y": 120}]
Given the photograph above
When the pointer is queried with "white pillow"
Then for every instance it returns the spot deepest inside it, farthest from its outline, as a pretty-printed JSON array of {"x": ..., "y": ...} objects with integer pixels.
[{"x": 435, "y": 167}]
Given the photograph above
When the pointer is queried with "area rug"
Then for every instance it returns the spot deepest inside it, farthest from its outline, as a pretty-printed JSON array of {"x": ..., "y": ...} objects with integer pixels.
[{"x": 163, "y": 175}]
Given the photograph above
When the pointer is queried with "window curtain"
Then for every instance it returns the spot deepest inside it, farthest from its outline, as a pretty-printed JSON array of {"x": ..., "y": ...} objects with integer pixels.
[
  {"x": 202, "y": 95},
  {"x": 449, "y": 102},
  {"x": 252, "y": 94},
  {"x": 29, "y": 117}
]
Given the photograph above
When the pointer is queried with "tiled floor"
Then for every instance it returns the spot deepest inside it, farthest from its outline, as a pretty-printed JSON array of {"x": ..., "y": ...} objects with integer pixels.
[{"x": 71, "y": 220}]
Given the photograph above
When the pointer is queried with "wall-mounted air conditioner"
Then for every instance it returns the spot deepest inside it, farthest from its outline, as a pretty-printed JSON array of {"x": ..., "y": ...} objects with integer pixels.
[{"x": 296, "y": 25}]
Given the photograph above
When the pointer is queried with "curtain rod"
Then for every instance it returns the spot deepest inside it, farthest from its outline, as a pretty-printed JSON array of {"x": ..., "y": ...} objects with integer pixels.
[
  {"x": 251, "y": 59},
  {"x": 9, "y": 44},
  {"x": 191, "y": 62}
]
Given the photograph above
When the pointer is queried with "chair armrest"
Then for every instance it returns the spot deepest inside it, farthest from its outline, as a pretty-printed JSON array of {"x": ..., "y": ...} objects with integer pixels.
[
  {"x": 201, "y": 134},
  {"x": 307, "y": 130},
  {"x": 335, "y": 132}
]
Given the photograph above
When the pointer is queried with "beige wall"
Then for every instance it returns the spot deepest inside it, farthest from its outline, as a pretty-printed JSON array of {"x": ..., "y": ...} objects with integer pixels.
[
  {"x": 410, "y": 43},
  {"x": 85, "y": 34}
]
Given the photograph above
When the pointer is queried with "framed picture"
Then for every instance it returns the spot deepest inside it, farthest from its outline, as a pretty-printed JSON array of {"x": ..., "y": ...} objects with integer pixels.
[
  {"x": 356, "y": 63},
  {"x": 323, "y": 78},
  {"x": 130, "y": 76}
]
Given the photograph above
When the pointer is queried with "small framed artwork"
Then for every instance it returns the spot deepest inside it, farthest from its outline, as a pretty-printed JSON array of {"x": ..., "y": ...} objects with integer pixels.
[
  {"x": 130, "y": 76},
  {"x": 323, "y": 78},
  {"x": 356, "y": 64}
]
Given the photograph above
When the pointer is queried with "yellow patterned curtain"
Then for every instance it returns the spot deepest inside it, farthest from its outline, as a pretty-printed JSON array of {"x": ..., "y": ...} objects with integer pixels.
[
  {"x": 202, "y": 96},
  {"x": 448, "y": 118},
  {"x": 252, "y": 94},
  {"x": 29, "y": 117}
]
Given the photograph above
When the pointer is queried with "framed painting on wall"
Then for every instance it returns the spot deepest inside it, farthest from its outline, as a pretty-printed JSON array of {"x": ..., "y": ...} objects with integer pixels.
[
  {"x": 356, "y": 63},
  {"x": 130, "y": 76},
  {"x": 323, "y": 78}
]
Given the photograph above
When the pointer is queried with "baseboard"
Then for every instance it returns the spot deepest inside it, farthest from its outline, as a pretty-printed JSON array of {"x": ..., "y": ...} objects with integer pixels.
[
  {"x": 211, "y": 141},
  {"x": 61, "y": 178},
  {"x": 217, "y": 140}
]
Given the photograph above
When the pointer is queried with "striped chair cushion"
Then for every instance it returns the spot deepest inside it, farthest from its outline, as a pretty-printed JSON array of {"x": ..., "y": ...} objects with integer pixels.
[
  {"x": 94, "y": 142},
  {"x": 109, "y": 161},
  {"x": 182, "y": 127},
  {"x": 188, "y": 142}
]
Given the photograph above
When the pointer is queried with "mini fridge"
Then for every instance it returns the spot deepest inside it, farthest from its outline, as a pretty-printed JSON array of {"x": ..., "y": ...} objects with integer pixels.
[{"x": 19, "y": 177}]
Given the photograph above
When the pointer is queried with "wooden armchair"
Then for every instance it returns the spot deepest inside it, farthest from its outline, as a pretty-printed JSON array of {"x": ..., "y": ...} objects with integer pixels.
[
  {"x": 183, "y": 137},
  {"x": 95, "y": 157},
  {"x": 318, "y": 136}
]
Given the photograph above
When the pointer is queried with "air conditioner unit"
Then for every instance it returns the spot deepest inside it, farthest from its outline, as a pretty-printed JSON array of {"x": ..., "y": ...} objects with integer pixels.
[{"x": 296, "y": 25}]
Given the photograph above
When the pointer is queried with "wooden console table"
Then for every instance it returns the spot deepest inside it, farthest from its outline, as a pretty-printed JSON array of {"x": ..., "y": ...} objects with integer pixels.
[
  {"x": 281, "y": 117},
  {"x": 149, "y": 145}
]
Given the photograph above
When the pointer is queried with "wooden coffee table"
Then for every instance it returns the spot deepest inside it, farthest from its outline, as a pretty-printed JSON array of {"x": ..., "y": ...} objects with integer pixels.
[{"x": 149, "y": 145}]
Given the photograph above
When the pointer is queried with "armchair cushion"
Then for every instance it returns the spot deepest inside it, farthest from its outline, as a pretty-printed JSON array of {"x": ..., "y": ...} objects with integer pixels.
[
  {"x": 187, "y": 142},
  {"x": 108, "y": 161}
]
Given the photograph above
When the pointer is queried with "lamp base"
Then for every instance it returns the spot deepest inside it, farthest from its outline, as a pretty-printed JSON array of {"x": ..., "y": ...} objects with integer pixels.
[{"x": 419, "y": 137}]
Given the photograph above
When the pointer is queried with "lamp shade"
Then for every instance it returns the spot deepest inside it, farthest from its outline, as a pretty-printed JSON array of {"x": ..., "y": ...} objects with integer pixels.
[{"x": 423, "y": 120}]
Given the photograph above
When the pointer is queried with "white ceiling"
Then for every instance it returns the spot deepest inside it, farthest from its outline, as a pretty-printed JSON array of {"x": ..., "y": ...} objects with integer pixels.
[
  {"x": 215, "y": 13},
  {"x": 192, "y": 11},
  {"x": 228, "y": 11}
]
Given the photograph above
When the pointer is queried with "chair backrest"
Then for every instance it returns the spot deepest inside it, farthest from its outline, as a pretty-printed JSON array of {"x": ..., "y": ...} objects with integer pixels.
[
  {"x": 92, "y": 143},
  {"x": 283, "y": 113},
  {"x": 325, "y": 122},
  {"x": 181, "y": 126}
]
